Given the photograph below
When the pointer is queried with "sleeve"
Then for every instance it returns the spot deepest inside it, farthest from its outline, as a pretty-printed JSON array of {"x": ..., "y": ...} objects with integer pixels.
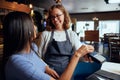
[
  {"x": 75, "y": 40},
  {"x": 44, "y": 40},
  {"x": 42, "y": 44},
  {"x": 26, "y": 70}
]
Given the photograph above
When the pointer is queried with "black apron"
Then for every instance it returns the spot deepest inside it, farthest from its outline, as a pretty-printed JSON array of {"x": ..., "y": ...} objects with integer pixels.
[{"x": 58, "y": 54}]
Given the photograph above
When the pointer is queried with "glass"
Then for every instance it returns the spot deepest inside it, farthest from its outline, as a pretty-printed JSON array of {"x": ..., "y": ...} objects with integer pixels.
[{"x": 56, "y": 16}]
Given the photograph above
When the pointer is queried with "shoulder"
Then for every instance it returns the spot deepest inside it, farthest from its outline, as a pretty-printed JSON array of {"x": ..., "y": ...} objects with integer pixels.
[
  {"x": 46, "y": 33},
  {"x": 18, "y": 62},
  {"x": 22, "y": 68},
  {"x": 18, "y": 59},
  {"x": 71, "y": 33}
]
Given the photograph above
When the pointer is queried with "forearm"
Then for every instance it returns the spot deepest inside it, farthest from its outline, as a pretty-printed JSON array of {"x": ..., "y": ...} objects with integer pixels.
[
  {"x": 67, "y": 74},
  {"x": 83, "y": 50}
]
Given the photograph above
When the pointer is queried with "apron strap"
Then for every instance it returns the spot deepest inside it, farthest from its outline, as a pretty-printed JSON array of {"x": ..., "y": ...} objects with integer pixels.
[
  {"x": 51, "y": 36},
  {"x": 67, "y": 37}
]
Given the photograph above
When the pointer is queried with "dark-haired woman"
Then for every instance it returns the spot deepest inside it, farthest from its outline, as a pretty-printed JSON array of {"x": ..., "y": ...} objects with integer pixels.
[{"x": 21, "y": 60}]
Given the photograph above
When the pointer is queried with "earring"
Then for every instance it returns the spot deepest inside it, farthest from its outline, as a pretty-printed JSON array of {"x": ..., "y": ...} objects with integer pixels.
[{"x": 30, "y": 33}]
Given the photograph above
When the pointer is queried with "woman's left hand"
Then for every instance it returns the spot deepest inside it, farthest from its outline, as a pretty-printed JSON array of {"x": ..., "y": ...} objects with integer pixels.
[{"x": 52, "y": 72}]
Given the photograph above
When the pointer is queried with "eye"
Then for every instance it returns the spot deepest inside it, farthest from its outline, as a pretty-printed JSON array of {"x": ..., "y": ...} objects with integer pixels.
[
  {"x": 56, "y": 16},
  {"x": 59, "y": 15}
]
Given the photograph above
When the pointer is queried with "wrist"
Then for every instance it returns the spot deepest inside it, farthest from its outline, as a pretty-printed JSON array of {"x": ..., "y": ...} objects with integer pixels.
[{"x": 77, "y": 54}]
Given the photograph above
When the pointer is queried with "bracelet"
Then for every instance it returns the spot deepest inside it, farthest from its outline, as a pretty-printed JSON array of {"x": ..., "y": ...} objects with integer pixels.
[{"x": 77, "y": 54}]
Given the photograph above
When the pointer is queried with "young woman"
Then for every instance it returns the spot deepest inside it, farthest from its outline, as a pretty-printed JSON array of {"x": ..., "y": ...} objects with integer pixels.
[
  {"x": 58, "y": 43},
  {"x": 20, "y": 53}
]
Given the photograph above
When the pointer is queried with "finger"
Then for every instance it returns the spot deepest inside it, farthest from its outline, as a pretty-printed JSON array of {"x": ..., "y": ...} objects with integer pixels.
[
  {"x": 90, "y": 59},
  {"x": 55, "y": 75},
  {"x": 86, "y": 58},
  {"x": 90, "y": 48},
  {"x": 82, "y": 48}
]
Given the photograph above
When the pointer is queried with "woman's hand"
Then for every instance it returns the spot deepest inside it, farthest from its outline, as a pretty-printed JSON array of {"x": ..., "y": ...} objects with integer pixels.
[
  {"x": 52, "y": 72},
  {"x": 85, "y": 49},
  {"x": 87, "y": 58}
]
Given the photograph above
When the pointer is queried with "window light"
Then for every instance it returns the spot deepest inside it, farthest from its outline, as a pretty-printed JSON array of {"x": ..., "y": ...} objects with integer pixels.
[{"x": 114, "y": 1}]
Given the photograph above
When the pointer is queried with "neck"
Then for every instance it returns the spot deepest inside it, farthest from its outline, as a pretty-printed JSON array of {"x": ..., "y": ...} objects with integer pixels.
[
  {"x": 26, "y": 49},
  {"x": 59, "y": 29}
]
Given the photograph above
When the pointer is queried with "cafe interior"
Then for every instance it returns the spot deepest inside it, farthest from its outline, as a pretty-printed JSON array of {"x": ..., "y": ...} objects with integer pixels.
[{"x": 96, "y": 22}]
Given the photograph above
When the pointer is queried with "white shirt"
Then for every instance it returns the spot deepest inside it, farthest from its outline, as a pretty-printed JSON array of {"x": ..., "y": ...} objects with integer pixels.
[{"x": 58, "y": 36}]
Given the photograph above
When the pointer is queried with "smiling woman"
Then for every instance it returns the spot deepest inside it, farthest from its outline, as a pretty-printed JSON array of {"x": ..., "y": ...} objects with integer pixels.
[{"x": 58, "y": 44}]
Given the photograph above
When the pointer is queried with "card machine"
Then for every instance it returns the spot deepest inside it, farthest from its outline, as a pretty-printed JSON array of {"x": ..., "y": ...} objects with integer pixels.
[{"x": 97, "y": 57}]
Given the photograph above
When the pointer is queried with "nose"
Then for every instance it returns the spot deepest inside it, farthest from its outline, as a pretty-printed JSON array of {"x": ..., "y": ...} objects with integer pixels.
[{"x": 55, "y": 18}]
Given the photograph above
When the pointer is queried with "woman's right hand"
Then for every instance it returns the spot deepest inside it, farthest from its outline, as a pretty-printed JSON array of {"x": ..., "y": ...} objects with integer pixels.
[{"x": 85, "y": 49}]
